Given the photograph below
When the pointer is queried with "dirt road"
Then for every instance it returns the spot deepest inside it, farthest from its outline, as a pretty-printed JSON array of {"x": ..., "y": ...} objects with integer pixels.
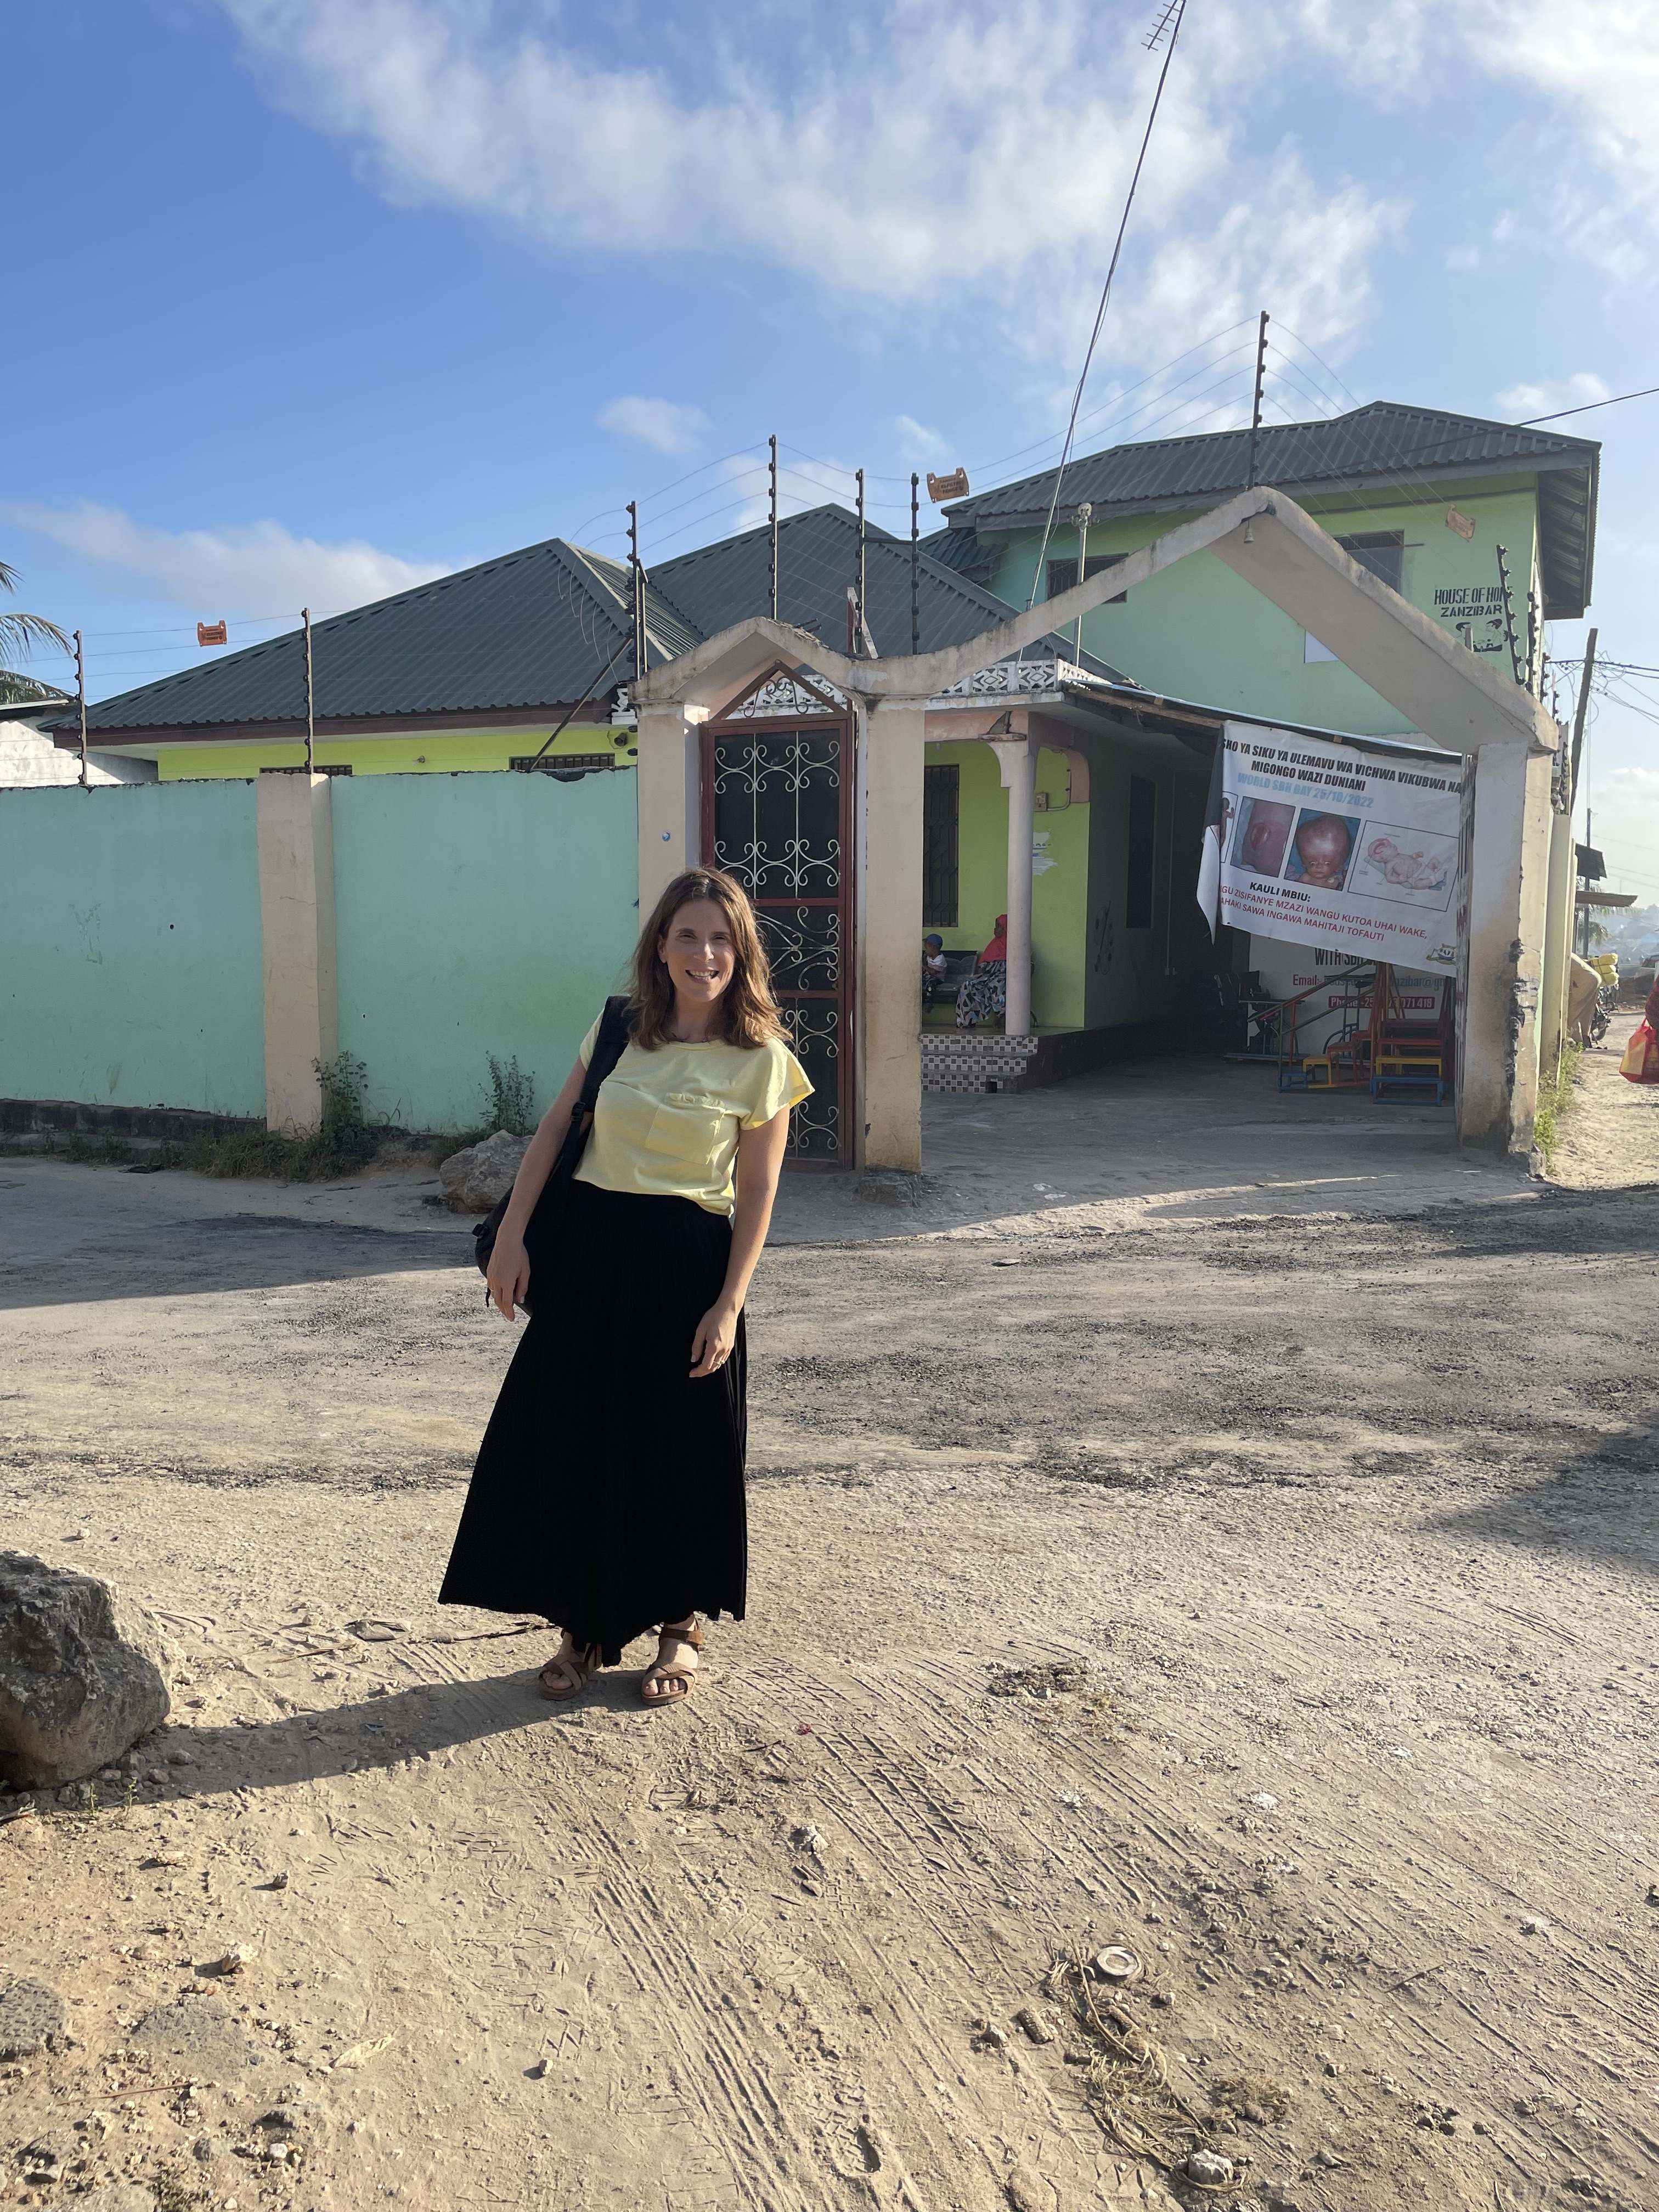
[
  {"x": 1270, "y": 1599},
  {"x": 1611, "y": 1133}
]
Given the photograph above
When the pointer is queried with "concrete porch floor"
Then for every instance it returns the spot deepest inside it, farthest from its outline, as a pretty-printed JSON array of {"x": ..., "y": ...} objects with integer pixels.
[{"x": 1157, "y": 1137}]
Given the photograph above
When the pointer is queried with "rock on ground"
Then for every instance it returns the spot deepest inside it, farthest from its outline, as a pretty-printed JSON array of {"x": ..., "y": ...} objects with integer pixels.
[
  {"x": 481, "y": 1176},
  {"x": 80, "y": 1673},
  {"x": 117, "y": 2197},
  {"x": 199, "y": 2036},
  {"x": 33, "y": 2018}
]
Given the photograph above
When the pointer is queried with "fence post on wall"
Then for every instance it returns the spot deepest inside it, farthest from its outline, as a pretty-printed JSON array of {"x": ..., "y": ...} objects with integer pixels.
[{"x": 296, "y": 917}]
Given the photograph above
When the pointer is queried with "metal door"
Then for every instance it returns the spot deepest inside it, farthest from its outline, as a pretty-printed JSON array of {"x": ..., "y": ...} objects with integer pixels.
[{"x": 777, "y": 814}]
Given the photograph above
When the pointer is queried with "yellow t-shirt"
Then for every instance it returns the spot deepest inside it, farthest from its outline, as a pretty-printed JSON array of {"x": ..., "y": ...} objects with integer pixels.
[{"x": 665, "y": 1123}]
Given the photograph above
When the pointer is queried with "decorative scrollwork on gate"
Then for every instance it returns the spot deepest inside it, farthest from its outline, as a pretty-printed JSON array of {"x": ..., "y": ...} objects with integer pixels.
[
  {"x": 777, "y": 812},
  {"x": 803, "y": 944},
  {"x": 814, "y": 1026}
]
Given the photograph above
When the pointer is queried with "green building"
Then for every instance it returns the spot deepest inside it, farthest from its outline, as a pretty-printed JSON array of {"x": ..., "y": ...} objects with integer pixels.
[{"x": 1437, "y": 505}]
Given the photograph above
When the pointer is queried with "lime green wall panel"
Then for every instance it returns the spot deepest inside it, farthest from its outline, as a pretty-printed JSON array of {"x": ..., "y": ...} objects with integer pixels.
[
  {"x": 130, "y": 947},
  {"x": 1199, "y": 631},
  {"x": 434, "y": 751},
  {"x": 476, "y": 914},
  {"x": 1060, "y": 886}
]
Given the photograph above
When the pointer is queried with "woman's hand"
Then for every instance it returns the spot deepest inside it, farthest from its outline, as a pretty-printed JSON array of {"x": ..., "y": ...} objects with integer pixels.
[
  {"x": 711, "y": 1347},
  {"x": 509, "y": 1276}
]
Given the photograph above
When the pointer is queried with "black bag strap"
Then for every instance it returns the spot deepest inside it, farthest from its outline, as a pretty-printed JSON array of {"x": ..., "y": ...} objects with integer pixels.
[{"x": 608, "y": 1045}]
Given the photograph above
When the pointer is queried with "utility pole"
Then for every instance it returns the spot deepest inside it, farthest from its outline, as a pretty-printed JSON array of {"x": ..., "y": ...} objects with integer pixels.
[
  {"x": 859, "y": 474},
  {"x": 1255, "y": 404},
  {"x": 311, "y": 703},
  {"x": 1578, "y": 721},
  {"x": 915, "y": 566},
  {"x": 1084, "y": 513},
  {"x": 81, "y": 702},
  {"x": 772, "y": 473},
  {"x": 641, "y": 646}
]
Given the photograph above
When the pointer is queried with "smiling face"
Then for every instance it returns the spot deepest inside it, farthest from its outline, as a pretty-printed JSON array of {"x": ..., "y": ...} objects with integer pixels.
[{"x": 697, "y": 949}]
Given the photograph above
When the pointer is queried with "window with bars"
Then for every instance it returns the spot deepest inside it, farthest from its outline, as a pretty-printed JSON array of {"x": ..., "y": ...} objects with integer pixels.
[
  {"x": 563, "y": 763},
  {"x": 1143, "y": 837},
  {"x": 1062, "y": 574},
  {"x": 941, "y": 798}
]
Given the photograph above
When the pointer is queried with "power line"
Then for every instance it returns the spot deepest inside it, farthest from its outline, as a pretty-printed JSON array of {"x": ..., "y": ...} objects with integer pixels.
[
  {"x": 1589, "y": 407},
  {"x": 1171, "y": 21}
]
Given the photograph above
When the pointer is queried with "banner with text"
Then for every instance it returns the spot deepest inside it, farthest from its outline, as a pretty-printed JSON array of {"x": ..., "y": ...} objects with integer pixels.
[{"x": 1323, "y": 844}]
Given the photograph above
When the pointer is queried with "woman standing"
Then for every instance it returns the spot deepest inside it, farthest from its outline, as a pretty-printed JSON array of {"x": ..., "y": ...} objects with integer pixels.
[{"x": 608, "y": 1494}]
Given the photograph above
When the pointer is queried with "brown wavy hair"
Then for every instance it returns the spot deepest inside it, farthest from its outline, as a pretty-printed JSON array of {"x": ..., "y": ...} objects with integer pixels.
[{"x": 746, "y": 1013}]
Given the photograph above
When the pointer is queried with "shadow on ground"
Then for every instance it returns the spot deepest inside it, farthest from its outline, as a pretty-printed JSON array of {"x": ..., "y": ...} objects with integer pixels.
[
  {"x": 376, "y": 1733},
  {"x": 150, "y": 1257}
]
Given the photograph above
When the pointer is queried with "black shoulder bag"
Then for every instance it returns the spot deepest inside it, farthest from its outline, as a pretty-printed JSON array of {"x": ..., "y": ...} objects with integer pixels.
[{"x": 547, "y": 1215}]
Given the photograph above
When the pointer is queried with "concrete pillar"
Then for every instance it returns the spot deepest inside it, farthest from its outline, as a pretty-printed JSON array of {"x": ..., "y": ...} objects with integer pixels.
[
  {"x": 1558, "y": 944},
  {"x": 1509, "y": 881},
  {"x": 892, "y": 744},
  {"x": 1017, "y": 756},
  {"x": 294, "y": 824},
  {"x": 669, "y": 791}
]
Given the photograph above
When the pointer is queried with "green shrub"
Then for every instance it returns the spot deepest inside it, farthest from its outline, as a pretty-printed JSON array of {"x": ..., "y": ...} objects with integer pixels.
[
  {"x": 511, "y": 1098},
  {"x": 1555, "y": 1101}
]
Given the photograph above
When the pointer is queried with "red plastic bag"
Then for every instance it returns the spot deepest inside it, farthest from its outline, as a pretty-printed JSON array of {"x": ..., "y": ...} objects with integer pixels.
[{"x": 1640, "y": 1063}]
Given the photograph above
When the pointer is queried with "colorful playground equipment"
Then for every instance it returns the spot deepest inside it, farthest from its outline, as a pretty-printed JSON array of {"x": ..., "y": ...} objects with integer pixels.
[{"x": 1376, "y": 1045}]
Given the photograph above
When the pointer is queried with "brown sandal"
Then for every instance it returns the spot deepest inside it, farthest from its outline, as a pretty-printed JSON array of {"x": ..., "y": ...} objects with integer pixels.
[
  {"x": 583, "y": 1660},
  {"x": 677, "y": 1682}
]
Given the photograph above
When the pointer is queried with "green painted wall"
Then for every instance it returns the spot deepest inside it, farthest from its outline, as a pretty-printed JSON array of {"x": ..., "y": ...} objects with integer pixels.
[
  {"x": 1060, "y": 888},
  {"x": 476, "y": 914},
  {"x": 1199, "y": 632},
  {"x": 130, "y": 947},
  {"x": 434, "y": 750}
]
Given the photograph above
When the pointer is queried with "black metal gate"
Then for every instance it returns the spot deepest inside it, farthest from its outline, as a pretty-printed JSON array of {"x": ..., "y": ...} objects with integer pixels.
[{"x": 777, "y": 813}]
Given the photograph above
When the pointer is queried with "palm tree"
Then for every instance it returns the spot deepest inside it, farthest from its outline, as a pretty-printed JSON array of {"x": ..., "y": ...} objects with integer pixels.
[{"x": 18, "y": 635}]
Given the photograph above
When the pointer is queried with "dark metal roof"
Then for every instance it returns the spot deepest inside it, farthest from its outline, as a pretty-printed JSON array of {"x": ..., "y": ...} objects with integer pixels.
[
  {"x": 817, "y": 560},
  {"x": 1382, "y": 444},
  {"x": 531, "y": 632}
]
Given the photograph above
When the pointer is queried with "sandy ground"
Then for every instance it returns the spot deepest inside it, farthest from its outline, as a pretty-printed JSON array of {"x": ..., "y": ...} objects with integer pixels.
[
  {"x": 1268, "y": 1594},
  {"x": 1610, "y": 1133}
]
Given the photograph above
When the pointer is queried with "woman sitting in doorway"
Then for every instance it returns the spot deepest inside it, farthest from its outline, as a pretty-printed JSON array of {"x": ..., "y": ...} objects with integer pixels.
[{"x": 986, "y": 991}]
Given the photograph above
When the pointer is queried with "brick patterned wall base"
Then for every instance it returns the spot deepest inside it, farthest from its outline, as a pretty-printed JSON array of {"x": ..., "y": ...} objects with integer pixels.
[{"x": 964, "y": 1062}]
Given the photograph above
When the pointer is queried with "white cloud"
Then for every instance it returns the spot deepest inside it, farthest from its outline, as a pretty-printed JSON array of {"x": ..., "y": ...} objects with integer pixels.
[
  {"x": 917, "y": 181},
  {"x": 922, "y": 448},
  {"x": 238, "y": 569},
  {"x": 1596, "y": 63},
  {"x": 1582, "y": 389},
  {"x": 663, "y": 424}
]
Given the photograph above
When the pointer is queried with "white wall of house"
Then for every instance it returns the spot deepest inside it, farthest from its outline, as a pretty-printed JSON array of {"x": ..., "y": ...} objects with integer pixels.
[{"x": 28, "y": 757}]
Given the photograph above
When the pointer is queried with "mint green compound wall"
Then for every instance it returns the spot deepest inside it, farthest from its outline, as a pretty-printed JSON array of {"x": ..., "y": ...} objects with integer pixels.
[
  {"x": 475, "y": 914},
  {"x": 130, "y": 946}
]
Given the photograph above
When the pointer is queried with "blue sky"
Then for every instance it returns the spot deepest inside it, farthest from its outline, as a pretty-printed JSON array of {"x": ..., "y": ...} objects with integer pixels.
[{"x": 325, "y": 295}]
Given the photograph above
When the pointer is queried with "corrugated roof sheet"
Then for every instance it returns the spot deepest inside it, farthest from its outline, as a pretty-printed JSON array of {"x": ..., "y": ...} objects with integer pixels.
[
  {"x": 1382, "y": 439},
  {"x": 533, "y": 630}
]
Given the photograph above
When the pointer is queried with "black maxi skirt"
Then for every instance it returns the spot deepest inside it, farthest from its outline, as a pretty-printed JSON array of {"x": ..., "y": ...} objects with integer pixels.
[{"x": 608, "y": 1494}]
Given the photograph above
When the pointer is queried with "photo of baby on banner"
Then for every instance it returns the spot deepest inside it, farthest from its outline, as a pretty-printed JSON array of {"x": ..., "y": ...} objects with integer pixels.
[
  {"x": 1314, "y": 840},
  {"x": 1321, "y": 849},
  {"x": 1414, "y": 866}
]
